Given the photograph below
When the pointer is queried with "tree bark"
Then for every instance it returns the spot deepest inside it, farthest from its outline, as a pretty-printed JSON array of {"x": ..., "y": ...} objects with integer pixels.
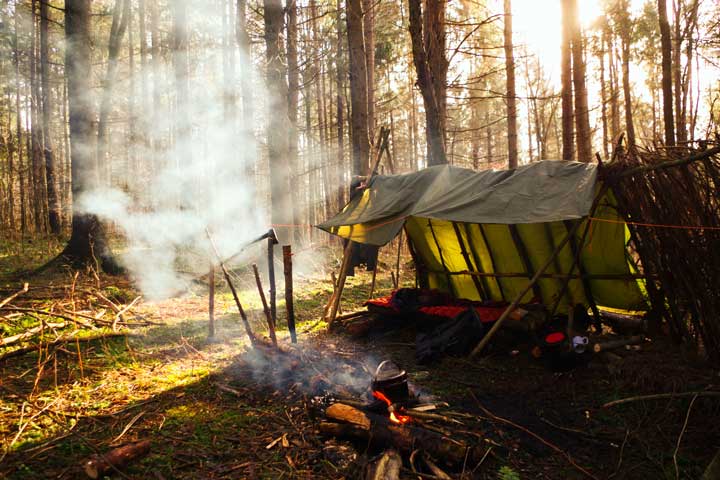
[
  {"x": 277, "y": 127},
  {"x": 358, "y": 88},
  {"x": 293, "y": 93},
  {"x": 665, "y": 43},
  {"x": 340, "y": 87},
  {"x": 568, "y": 129},
  {"x": 582, "y": 119},
  {"x": 510, "y": 99},
  {"x": 117, "y": 31},
  {"x": 50, "y": 176},
  {"x": 369, "y": 34},
  {"x": 182, "y": 116},
  {"x": 427, "y": 34},
  {"x": 87, "y": 240}
]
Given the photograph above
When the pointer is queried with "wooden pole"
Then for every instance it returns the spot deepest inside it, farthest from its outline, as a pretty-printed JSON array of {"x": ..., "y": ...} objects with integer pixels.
[
  {"x": 486, "y": 339},
  {"x": 226, "y": 274},
  {"x": 372, "y": 283},
  {"x": 340, "y": 284},
  {"x": 289, "y": 305},
  {"x": 396, "y": 281},
  {"x": 271, "y": 277},
  {"x": 268, "y": 316},
  {"x": 211, "y": 301}
]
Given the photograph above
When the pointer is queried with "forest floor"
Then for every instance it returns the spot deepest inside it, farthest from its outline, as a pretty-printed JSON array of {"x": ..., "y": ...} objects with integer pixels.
[{"x": 212, "y": 409}]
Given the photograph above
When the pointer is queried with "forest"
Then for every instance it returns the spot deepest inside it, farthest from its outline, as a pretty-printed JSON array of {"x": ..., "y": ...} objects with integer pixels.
[{"x": 220, "y": 221}]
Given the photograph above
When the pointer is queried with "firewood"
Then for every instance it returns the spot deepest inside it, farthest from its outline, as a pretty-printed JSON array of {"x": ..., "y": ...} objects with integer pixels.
[
  {"x": 387, "y": 467},
  {"x": 612, "y": 344},
  {"x": 101, "y": 465},
  {"x": 376, "y": 429},
  {"x": 347, "y": 414}
]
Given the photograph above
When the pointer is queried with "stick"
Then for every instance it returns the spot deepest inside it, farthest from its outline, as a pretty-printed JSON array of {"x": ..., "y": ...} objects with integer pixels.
[
  {"x": 119, "y": 314},
  {"x": 289, "y": 305},
  {"x": 372, "y": 284},
  {"x": 268, "y": 315},
  {"x": 211, "y": 301},
  {"x": 340, "y": 284},
  {"x": 64, "y": 339},
  {"x": 661, "y": 396},
  {"x": 486, "y": 339},
  {"x": 226, "y": 274},
  {"x": 682, "y": 432},
  {"x": 534, "y": 435},
  {"x": 673, "y": 163},
  {"x": 4, "y": 342},
  {"x": 271, "y": 277},
  {"x": 9, "y": 299}
]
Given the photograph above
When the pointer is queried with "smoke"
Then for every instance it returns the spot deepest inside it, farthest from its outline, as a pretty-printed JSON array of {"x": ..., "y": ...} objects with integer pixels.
[{"x": 192, "y": 163}]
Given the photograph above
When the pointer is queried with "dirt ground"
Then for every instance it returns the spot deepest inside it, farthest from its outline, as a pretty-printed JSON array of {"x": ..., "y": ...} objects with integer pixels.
[{"x": 213, "y": 409}]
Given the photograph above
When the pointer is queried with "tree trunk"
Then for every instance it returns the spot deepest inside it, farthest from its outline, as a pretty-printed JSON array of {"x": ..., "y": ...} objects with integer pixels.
[
  {"x": 293, "y": 92},
  {"x": 155, "y": 137},
  {"x": 87, "y": 241},
  {"x": 358, "y": 88},
  {"x": 510, "y": 84},
  {"x": 19, "y": 132},
  {"x": 427, "y": 33},
  {"x": 117, "y": 31},
  {"x": 50, "y": 176},
  {"x": 666, "y": 47},
  {"x": 182, "y": 116},
  {"x": 680, "y": 125},
  {"x": 582, "y": 119},
  {"x": 627, "y": 94},
  {"x": 278, "y": 125},
  {"x": 36, "y": 133},
  {"x": 568, "y": 132},
  {"x": 340, "y": 87},
  {"x": 369, "y": 34},
  {"x": 603, "y": 94}
]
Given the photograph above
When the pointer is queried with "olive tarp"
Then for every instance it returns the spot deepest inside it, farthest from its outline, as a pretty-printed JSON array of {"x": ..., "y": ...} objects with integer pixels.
[{"x": 501, "y": 226}]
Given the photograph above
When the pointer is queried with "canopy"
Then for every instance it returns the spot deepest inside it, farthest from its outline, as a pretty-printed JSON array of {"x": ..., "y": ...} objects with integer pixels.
[{"x": 482, "y": 235}]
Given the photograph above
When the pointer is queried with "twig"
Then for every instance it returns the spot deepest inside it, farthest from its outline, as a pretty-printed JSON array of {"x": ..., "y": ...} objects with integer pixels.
[
  {"x": 14, "y": 295},
  {"x": 535, "y": 436},
  {"x": 118, "y": 315},
  {"x": 682, "y": 432},
  {"x": 660, "y": 396},
  {"x": 64, "y": 339}
]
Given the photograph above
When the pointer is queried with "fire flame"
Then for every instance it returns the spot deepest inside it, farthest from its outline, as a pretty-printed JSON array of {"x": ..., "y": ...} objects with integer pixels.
[{"x": 399, "y": 419}]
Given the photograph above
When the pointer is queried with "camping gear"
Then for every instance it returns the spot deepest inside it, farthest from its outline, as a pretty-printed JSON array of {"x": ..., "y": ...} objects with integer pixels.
[
  {"x": 391, "y": 381},
  {"x": 484, "y": 235}
]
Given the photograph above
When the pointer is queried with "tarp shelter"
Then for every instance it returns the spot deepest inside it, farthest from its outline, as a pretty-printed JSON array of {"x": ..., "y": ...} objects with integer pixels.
[{"x": 482, "y": 235}]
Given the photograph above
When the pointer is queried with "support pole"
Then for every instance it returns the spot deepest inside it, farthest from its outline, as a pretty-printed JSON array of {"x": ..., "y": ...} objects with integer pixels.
[
  {"x": 340, "y": 284},
  {"x": 226, "y": 274},
  {"x": 211, "y": 301},
  {"x": 271, "y": 276},
  {"x": 396, "y": 281},
  {"x": 289, "y": 305},
  {"x": 268, "y": 316},
  {"x": 486, "y": 339}
]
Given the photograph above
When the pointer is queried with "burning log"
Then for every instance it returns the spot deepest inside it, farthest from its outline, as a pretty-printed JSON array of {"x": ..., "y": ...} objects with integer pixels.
[
  {"x": 102, "y": 465},
  {"x": 349, "y": 422}
]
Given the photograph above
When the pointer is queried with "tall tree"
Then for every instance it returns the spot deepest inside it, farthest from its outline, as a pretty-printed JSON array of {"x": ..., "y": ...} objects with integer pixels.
[
  {"x": 666, "y": 47},
  {"x": 427, "y": 34},
  {"x": 358, "y": 88},
  {"x": 181, "y": 70},
  {"x": 87, "y": 240},
  {"x": 339, "y": 103},
  {"x": 277, "y": 127},
  {"x": 369, "y": 34},
  {"x": 510, "y": 90},
  {"x": 50, "y": 170},
  {"x": 293, "y": 93},
  {"x": 582, "y": 118},
  {"x": 568, "y": 128}
]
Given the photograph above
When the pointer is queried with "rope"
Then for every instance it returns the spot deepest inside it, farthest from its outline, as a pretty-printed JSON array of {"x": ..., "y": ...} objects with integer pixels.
[{"x": 655, "y": 225}]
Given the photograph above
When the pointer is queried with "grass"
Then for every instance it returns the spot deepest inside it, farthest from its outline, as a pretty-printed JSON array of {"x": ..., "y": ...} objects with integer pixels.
[{"x": 210, "y": 417}]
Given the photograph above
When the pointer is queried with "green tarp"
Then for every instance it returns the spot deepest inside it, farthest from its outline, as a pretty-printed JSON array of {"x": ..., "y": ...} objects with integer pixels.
[{"x": 459, "y": 220}]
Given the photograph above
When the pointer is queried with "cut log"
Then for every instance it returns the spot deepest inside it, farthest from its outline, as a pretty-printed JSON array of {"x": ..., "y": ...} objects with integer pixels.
[
  {"x": 613, "y": 344},
  {"x": 624, "y": 323},
  {"x": 117, "y": 459},
  {"x": 387, "y": 467},
  {"x": 349, "y": 422}
]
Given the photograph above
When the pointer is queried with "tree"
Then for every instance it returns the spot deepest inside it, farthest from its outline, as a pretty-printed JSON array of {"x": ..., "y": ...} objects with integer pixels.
[
  {"x": 582, "y": 119},
  {"x": 666, "y": 48},
  {"x": 87, "y": 240},
  {"x": 50, "y": 171},
  {"x": 293, "y": 92},
  {"x": 358, "y": 88},
  {"x": 568, "y": 129},
  {"x": 278, "y": 125},
  {"x": 427, "y": 34},
  {"x": 510, "y": 95}
]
